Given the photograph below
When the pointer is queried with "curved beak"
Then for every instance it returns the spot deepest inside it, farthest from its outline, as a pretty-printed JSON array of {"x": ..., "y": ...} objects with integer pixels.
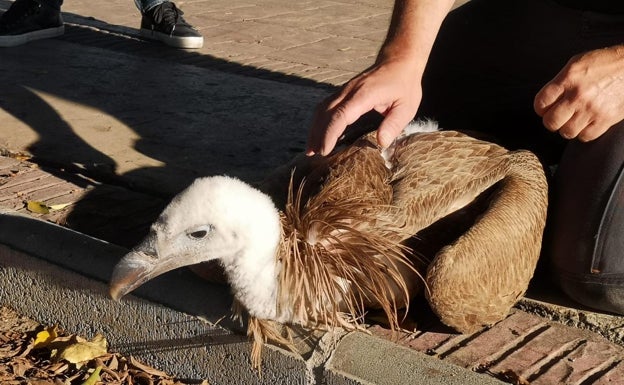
[{"x": 139, "y": 266}]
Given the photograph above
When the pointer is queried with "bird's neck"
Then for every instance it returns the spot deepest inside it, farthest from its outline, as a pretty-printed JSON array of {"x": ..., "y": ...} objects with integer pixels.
[{"x": 253, "y": 275}]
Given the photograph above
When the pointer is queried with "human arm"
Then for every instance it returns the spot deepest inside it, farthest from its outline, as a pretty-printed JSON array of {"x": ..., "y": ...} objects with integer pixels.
[
  {"x": 586, "y": 97},
  {"x": 392, "y": 86}
]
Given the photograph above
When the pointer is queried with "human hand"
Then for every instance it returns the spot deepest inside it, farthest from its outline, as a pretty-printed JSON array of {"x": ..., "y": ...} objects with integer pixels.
[
  {"x": 391, "y": 88},
  {"x": 586, "y": 97}
]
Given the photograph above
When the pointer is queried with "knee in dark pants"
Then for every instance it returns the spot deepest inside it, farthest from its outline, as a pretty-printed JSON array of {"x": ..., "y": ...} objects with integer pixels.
[{"x": 586, "y": 224}]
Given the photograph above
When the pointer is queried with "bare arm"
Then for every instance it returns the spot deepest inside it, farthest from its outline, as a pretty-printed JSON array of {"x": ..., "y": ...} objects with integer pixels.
[{"x": 392, "y": 86}]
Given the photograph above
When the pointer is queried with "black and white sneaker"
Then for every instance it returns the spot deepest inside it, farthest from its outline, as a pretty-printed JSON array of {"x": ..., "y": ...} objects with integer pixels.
[
  {"x": 28, "y": 20},
  {"x": 165, "y": 23}
]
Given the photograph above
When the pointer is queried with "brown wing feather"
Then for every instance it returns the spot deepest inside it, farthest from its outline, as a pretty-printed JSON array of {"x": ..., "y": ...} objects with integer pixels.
[
  {"x": 437, "y": 173},
  {"x": 477, "y": 279}
]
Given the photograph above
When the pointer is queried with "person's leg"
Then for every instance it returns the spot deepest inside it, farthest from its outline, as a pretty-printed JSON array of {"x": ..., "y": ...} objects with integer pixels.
[
  {"x": 28, "y": 20},
  {"x": 490, "y": 59},
  {"x": 586, "y": 238},
  {"x": 163, "y": 21}
]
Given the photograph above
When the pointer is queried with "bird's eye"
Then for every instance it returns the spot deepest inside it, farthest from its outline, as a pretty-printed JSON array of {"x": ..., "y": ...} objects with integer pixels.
[{"x": 200, "y": 232}]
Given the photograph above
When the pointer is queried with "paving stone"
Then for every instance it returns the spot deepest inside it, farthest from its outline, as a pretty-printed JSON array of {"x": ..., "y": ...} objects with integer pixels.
[
  {"x": 542, "y": 351},
  {"x": 108, "y": 212},
  {"x": 423, "y": 341},
  {"x": 360, "y": 356},
  {"x": 270, "y": 29},
  {"x": 495, "y": 341},
  {"x": 611, "y": 376},
  {"x": 582, "y": 364}
]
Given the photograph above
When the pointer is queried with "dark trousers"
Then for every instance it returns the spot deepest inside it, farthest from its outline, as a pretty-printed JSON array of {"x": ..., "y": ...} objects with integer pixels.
[{"x": 490, "y": 59}]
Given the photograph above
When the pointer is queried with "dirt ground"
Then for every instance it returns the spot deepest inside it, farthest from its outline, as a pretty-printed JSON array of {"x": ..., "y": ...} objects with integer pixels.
[{"x": 35, "y": 354}]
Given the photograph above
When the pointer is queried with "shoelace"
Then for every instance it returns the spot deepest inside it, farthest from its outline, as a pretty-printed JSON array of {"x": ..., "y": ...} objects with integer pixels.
[{"x": 169, "y": 14}]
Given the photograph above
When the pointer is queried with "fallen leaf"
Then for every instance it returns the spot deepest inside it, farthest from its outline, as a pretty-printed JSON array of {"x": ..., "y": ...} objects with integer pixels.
[
  {"x": 21, "y": 157},
  {"x": 18, "y": 367},
  {"x": 142, "y": 378},
  {"x": 94, "y": 377},
  {"x": 80, "y": 350},
  {"x": 114, "y": 363},
  {"x": 45, "y": 337},
  {"x": 59, "y": 206},
  {"x": 37, "y": 207},
  {"x": 58, "y": 368},
  {"x": 154, "y": 372}
]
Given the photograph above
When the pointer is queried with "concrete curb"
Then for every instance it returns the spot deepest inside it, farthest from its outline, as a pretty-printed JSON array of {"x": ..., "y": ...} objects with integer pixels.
[{"x": 58, "y": 276}]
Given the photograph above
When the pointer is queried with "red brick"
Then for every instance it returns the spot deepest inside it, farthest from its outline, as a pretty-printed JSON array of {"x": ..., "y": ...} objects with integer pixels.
[
  {"x": 422, "y": 341},
  {"x": 493, "y": 342},
  {"x": 428, "y": 342},
  {"x": 540, "y": 351},
  {"x": 584, "y": 362},
  {"x": 615, "y": 376}
]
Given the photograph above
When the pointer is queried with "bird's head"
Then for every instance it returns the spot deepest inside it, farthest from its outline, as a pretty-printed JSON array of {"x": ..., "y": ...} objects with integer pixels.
[{"x": 214, "y": 218}]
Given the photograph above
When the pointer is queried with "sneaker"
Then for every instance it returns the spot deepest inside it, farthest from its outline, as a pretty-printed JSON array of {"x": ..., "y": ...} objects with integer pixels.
[
  {"x": 165, "y": 23},
  {"x": 28, "y": 20}
]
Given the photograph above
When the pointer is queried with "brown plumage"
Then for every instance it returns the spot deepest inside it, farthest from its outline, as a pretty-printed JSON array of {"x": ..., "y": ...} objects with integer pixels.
[
  {"x": 472, "y": 282},
  {"x": 346, "y": 223}
]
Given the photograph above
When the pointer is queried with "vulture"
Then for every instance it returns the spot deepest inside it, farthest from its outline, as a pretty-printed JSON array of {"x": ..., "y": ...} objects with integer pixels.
[{"x": 326, "y": 238}]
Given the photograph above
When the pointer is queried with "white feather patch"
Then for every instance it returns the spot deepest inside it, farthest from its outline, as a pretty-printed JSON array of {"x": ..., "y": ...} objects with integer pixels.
[{"x": 415, "y": 127}]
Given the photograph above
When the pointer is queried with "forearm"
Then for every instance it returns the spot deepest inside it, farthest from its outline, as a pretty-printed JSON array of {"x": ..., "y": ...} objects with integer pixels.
[{"x": 413, "y": 29}]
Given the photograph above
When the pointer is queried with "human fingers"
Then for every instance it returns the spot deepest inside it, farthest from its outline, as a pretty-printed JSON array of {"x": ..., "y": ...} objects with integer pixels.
[
  {"x": 593, "y": 130},
  {"x": 320, "y": 121},
  {"x": 393, "y": 124},
  {"x": 318, "y": 127},
  {"x": 547, "y": 96},
  {"x": 332, "y": 118},
  {"x": 558, "y": 115},
  {"x": 575, "y": 125}
]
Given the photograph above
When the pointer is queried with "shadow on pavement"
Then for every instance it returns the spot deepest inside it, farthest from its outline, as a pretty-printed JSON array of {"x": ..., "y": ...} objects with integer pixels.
[{"x": 145, "y": 117}]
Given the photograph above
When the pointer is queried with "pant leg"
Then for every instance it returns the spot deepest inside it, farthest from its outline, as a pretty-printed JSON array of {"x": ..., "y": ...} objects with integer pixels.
[
  {"x": 490, "y": 59},
  {"x": 586, "y": 234}
]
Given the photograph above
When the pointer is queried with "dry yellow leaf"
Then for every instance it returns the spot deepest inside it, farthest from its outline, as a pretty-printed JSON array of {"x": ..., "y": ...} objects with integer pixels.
[
  {"x": 79, "y": 351},
  {"x": 44, "y": 337},
  {"x": 60, "y": 206},
  {"x": 37, "y": 207},
  {"x": 21, "y": 157}
]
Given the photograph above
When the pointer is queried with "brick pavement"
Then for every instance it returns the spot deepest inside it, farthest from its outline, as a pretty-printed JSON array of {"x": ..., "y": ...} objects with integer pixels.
[
  {"x": 524, "y": 349},
  {"x": 324, "y": 41}
]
